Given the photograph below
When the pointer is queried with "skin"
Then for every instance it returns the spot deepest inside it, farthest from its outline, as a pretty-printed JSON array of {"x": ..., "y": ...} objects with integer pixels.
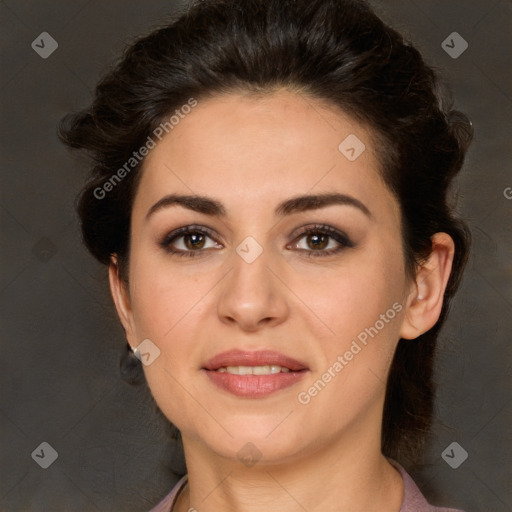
[{"x": 251, "y": 153}]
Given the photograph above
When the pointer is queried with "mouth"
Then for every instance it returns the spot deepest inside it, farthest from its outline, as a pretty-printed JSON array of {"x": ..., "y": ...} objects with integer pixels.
[
  {"x": 253, "y": 370},
  {"x": 253, "y": 374}
]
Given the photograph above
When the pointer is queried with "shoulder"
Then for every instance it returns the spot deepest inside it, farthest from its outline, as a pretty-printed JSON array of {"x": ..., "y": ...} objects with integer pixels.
[
  {"x": 413, "y": 500},
  {"x": 166, "y": 504}
]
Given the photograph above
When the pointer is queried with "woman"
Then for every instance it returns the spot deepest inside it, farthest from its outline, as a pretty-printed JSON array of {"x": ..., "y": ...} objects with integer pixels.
[{"x": 269, "y": 193}]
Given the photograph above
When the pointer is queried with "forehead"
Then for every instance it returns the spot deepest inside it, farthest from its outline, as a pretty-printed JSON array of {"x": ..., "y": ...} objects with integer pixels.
[{"x": 247, "y": 149}]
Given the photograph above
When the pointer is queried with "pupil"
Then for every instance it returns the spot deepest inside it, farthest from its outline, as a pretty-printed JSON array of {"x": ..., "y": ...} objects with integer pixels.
[
  {"x": 317, "y": 241},
  {"x": 194, "y": 241}
]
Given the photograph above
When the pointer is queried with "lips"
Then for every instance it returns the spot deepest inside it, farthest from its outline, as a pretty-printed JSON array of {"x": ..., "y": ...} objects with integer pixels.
[{"x": 253, "y": 374}]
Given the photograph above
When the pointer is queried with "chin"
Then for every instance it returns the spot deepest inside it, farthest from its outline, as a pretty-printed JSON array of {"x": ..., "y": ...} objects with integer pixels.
[{"x": 254, "y": 438}]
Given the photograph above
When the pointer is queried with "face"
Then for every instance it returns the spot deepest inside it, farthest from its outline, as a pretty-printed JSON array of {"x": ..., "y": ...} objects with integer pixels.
[{"x": 275, "y": 291}]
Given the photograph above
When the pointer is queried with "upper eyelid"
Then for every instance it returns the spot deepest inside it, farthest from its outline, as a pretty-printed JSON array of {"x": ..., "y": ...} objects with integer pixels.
[
  {"x": 193, "y": 228},
  {"x": 335, "y": 234}
]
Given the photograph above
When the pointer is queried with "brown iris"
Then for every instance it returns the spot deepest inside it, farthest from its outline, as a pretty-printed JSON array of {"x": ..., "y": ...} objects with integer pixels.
[
  {"x": 194, "y": 241},
  {"x": 317, "y": 241}
]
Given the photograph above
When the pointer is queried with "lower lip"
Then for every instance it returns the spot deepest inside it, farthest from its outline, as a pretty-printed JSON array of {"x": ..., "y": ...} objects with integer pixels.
[{"x": 254, "y": 386}]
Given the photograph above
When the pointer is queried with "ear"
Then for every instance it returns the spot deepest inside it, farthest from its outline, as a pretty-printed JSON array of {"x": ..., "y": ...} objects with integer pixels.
[
  {"x": 121, "y": 297},
  {"x": 425, "y": 301}
]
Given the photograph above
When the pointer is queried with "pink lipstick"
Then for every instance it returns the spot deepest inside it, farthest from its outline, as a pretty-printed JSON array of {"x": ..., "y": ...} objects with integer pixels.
[{"x": 253, "y": 374}]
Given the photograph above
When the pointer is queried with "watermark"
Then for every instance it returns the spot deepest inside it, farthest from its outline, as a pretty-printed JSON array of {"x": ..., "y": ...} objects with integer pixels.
[
  {"x": 352, "y": 147},
  {"x": 454, "y": 455},
  {"x": 304, "y": 397},
  {"x": 454, "y": 45},
  {"x": 249, "y": 249},
  {"x": 146, "y": 352},
  {"x": 45, "y": 455},
  {"x": 44, "y": 249},
  {"x": 137, "y": 156},
  {"x": 508, "y": 193},
  {"x": 249, "y": 455},
  {"x": 44, "y": 44}
]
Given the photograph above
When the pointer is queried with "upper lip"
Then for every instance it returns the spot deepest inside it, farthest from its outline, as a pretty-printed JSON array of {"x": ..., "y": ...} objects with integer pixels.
[{"x": 255, "y": 358}]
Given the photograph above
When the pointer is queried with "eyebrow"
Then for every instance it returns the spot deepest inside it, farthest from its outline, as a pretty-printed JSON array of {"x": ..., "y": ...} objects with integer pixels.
[{"x": 212, "y": 207}]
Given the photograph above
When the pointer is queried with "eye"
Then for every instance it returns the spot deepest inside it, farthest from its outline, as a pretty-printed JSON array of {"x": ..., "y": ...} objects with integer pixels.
[
  {"x": 189, "y": 241},
  {"x": 320, "y": 240}
]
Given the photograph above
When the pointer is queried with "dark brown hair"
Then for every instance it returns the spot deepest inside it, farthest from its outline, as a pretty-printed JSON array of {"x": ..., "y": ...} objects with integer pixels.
[{"x": 337, "y": 51}]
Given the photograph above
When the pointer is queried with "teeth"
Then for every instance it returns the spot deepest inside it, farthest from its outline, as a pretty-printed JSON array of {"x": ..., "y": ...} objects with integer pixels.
[{"x": 254, "y": 370}]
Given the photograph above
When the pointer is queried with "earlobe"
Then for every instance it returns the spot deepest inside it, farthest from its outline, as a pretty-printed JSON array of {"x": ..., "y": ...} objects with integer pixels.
[
  {"x": 425, "y": 301},
  {"x": 121, "y": 298}
]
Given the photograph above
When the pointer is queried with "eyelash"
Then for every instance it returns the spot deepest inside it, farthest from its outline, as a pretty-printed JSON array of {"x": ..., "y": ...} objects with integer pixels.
[{"x": 317, "y": 229}]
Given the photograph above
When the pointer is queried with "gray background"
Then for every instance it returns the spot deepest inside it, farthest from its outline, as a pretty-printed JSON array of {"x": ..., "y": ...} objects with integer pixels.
[{"x": 60, "y": 337}]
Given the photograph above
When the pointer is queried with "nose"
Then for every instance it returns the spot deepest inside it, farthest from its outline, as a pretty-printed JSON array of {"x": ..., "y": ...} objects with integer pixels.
[{"x": 252, "y": 297}]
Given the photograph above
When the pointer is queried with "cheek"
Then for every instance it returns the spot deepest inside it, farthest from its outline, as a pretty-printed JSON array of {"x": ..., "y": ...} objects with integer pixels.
[
  {"x": 170, "y": 307},
  {"x": 164, "y": 295},
  {"x": 352, "y": 297},
  {"x": 361, "y": 305},
  {"x": 365, "y": 312}
]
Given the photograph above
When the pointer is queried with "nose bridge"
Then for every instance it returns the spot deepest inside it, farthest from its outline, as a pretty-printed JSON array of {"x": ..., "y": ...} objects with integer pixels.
[
  {"x": 251, "y": 296},
  {"x": 250, "y": 263}
]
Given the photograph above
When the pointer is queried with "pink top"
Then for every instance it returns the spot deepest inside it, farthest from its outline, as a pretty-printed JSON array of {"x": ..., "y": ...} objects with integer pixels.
[{"x": 413, "y": 500}]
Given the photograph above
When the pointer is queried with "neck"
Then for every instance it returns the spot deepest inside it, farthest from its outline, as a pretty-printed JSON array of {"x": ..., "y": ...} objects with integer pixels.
[{"x": 347, "y": 475}]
